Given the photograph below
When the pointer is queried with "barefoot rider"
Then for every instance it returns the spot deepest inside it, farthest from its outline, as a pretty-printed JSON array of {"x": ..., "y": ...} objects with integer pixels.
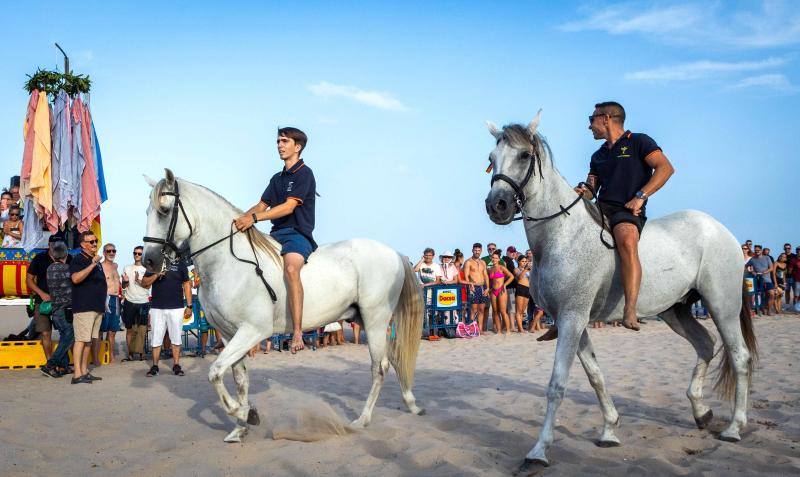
[
  {"x": 288, "y": 202},
  {"x": 626, "y": 170}
]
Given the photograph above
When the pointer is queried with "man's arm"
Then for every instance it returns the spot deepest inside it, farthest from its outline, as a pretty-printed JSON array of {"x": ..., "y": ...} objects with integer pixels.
[
  {"x": 246, "y": 221},
  {"x": 586, "y": 192},
  {"x": 147, "y": 281},
  {"x": 30, "y": 282},
  {"x": 81, "y": 275},
  {"x": 662, "y": 171}
]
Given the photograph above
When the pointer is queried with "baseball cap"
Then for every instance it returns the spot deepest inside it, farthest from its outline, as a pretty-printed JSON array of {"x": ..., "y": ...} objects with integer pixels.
[{"x": 511, "y": 250}]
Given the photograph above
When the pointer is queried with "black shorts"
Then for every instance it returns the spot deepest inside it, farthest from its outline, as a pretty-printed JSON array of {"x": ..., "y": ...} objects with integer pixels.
[
  {"x": 134, "y": 314},
  {"x": 617, "y": 214},
  {"x": 523, "y": 291}
]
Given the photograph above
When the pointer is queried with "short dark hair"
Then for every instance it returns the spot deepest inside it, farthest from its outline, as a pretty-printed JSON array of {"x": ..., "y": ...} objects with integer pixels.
[
  {"x": 138, "y": 247},
  {"x": 294, "y": 134},
  {"x": 477, "y": 245},
  {"x": 758, "y": 246},
  {"x": 83, "y": 235},
  {"x": 787, "y": 244},
  {"x": 498, "y": 253},
  {"x": 613, "y": 109},
  {"x": 491, "y": 243},
  {"x": 428, "y": 250},
  {"x": 58, "y": 250},
  {"x": 5, "y": 192}
]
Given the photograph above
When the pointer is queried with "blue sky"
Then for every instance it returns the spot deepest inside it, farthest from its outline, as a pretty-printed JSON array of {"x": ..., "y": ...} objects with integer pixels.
[{"x": 395, "y": 97}]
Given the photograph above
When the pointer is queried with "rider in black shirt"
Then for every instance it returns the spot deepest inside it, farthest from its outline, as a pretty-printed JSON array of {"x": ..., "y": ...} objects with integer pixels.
[{"x": 626, "y": 170}]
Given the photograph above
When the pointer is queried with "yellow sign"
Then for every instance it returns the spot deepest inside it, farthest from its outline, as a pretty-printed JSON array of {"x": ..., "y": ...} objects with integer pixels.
[{"x": 446, "y": 298}]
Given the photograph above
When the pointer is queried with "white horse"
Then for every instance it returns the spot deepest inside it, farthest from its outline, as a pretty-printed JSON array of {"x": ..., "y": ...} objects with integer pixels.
[
  {"x": 357, "y": 279},
  {"x": 684, "y": 256}
]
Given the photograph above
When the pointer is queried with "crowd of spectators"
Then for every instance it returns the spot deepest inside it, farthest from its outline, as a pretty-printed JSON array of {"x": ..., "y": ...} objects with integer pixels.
[
  {"x": 501, "y": 281},
  {"x": 773, "y": 284}
]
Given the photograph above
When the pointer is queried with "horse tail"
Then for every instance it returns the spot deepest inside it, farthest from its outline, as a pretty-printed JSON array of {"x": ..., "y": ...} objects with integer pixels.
[
  {"x": 726, "y": 377},
  {"x": 407, "y": 323}
]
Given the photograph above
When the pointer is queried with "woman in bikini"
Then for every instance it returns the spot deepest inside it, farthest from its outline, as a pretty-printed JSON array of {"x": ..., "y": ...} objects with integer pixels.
[
  {"x": 499, "y": 278},
  {"x": 523, "y": 276}
]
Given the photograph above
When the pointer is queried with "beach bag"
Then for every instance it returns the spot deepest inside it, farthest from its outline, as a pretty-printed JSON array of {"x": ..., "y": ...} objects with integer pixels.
[{"x": 468, "y": 331}]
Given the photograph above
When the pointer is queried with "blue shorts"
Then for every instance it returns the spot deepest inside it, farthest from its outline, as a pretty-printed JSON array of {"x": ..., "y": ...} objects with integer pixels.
[
  {"x": 478, "y": 298},
  {"x": 111, "y": 317},
  {"x": 293, "y": 241}
]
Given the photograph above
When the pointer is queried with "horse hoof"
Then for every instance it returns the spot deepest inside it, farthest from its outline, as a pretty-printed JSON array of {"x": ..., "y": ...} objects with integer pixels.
[
  {"x": 730, "y": 437},
  {"x": 252, "y": 417},
  {"x": 422, "y": 412},
  {"x": 607, "y": 444},
  {"x": 702, "y": 421},
  {"x": 358, "y": 424},
  {"x": 531, "y": 467},
  {"x": 236, "y": 435}
]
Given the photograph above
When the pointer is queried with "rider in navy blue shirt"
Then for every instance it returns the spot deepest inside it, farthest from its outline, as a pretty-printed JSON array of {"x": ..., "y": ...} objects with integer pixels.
[
  {"x": 626, "y": 170},
  {"x": 288, "y": 201}
]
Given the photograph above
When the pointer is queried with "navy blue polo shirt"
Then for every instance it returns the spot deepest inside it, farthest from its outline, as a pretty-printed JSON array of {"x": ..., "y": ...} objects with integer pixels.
[
  {"x": 168, "y": 290},
  {"x": 297, "y": 183},
  {"x": 621, "y": 169},
  {"x": 90, "y": 294}
]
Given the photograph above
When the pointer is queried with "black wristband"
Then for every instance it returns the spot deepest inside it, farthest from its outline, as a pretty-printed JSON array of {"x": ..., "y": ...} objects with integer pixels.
[{"x": 255, "y": 219}]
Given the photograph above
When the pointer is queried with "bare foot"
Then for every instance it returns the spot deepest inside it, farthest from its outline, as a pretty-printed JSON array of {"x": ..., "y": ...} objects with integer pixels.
[
  {"x": 631, "y": 323},
  {"x": 297, "y": 344},
  {"x": 551, "y": 334}
]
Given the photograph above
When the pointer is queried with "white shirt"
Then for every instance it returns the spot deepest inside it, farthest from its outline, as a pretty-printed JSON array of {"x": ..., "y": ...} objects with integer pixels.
[
  {"x": 134, "y": 292},
  {"x": 429, "y": 273}
]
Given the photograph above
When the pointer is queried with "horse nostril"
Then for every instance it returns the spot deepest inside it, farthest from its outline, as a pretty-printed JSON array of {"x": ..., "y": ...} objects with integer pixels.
[{"x": 501, "y": 206}]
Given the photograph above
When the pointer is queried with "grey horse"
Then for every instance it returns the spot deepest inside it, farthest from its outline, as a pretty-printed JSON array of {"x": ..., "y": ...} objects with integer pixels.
[{"x": 576, "y": 278}]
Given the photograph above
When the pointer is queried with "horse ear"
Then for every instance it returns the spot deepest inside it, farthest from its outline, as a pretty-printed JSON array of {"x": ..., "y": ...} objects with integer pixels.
[
  {"x": 149, "y": 181},
  {"x": 169, "y": 176},
  {"x": 534, "y": 125},
  {"x": 493, "y": 130}
]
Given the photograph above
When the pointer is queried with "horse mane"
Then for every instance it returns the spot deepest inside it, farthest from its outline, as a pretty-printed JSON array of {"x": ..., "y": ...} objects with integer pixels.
[
  {"x": 519, "y": 137},
  {"x": 260, "y": 241}
]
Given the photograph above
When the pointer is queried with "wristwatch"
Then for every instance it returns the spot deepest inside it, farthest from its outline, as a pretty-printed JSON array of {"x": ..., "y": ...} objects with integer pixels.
[
  {"x": 189, "y": 305},
  {"x": 255, "y": 218},
  {"x": 641, "y": 195}
]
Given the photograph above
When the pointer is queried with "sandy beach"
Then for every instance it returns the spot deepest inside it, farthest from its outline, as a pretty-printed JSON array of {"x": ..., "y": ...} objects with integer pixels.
[{"x": 485, "y": 400}]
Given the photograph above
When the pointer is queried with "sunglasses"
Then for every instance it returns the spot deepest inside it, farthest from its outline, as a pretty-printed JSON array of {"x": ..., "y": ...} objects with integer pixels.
[
  {"x": 111, "y": 251},
  {"x": 13, "y": 215},
  {"x": 138, "y": 254},
  {"x": 91, "y": 242}
]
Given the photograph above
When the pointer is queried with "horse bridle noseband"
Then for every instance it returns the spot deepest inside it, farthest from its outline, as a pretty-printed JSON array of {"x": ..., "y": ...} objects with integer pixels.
[
  {"x": 168, "y": 242},
  {"x": 520, "y": 198}
]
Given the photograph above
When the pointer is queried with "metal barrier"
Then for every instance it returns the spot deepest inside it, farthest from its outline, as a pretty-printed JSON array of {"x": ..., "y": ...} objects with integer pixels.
[{"x": 445, "y": 307}]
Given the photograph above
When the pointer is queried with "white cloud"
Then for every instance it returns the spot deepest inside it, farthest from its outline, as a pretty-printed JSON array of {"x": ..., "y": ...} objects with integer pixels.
[
  {"x": 701, "y": 70},
  {"x": 377, "y": 99},
  {"x": 714, "y": 24},
  {"x": 777, "y": 82}
]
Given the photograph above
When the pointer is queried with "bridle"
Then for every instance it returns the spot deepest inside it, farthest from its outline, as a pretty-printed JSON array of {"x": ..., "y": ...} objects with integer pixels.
[
  {"x": 519, "y": 193},
  {"x": 168, "y": 242},
  {"x": 520, "y": 198}
]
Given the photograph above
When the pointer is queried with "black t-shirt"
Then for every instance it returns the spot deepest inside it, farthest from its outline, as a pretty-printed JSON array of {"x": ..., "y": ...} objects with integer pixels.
[
  {"x": 297, "y": 183},
  {"x": 90, "y": 294},
  {"x": 38, "y": 268},
  {"x": 621, "y": 170},
  {"x": 509, "y": 263},
  {"x": 59, "y": 281},
  {"x": 168, "y": 291}
]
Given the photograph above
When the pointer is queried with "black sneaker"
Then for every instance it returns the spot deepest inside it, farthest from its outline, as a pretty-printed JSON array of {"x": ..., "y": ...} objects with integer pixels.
[
  {"x": 81, "y": 379},
  {"x": 48, "y": 371},
  {"x": 93, "y": 378},
  {"x": 153, "y": 371},
  {"x": 177, "y": 370}
]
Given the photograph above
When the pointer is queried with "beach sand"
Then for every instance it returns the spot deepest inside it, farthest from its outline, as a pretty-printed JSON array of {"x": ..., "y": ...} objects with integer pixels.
[{"x": 485, "y": 401}]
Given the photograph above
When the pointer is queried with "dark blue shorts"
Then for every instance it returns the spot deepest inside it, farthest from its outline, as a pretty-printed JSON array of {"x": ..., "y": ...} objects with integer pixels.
[
  {"x": 477, "y": 298},
  {"x": 292, "y": 241},
  {"x": 111, "y": 318}
]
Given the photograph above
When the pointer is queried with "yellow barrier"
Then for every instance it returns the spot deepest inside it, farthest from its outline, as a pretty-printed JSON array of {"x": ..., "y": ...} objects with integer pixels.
[{"x": 16, "y": 355}]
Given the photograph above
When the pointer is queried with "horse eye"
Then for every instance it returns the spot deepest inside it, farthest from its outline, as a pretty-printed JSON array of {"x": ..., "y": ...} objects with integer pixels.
[{"x": 525, "y": 155}]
